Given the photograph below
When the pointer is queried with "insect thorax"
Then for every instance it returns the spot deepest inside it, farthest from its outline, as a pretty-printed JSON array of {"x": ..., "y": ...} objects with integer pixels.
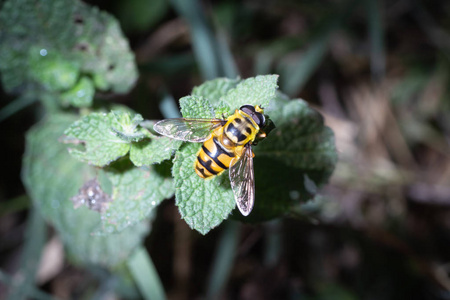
[{"x": 240, "y": 129}]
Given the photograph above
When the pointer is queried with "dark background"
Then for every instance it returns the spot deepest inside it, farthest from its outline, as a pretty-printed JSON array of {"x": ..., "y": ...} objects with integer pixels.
[{"x": 379, "y": 75}]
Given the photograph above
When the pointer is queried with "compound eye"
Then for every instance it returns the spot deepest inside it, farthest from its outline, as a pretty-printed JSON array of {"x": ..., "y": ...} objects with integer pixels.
[
  {"x": 248, "y": 109},
  {"x": 258, "y": 118},
  {"x": 262, "y": 120}
]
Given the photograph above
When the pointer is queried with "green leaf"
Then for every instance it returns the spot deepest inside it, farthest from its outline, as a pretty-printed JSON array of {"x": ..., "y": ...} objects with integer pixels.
[
  {"x": 47, "y": 44},
  {"x": 203, "y": 204},
  {"x": 257, "y": 90},
  {"x": 52, "y": 177},
  {"x": 290, "y": 165},
  {"x": 196, "y": 107},
  {"x": 128, "y": 128},
  {"x": 136, "y": 192},
  {"x": 296, "y": 159},
  {"x": 105, "y": 137},
  {"x": 215, "y": 89},
  {"x": 51, "y": 70},
  {"x": 153, "y": 151},
  {"x": 81, "y": 95}
]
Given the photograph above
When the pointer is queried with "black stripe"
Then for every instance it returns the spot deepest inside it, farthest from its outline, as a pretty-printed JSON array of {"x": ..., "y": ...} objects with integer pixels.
[
  {"x": 234, "y": 131},
  {"x": 207, "y": 165},
  {"x": 215, "y": 158},
  {"x": 221, "y": 149},
  {"x": 201, "y": 170}
]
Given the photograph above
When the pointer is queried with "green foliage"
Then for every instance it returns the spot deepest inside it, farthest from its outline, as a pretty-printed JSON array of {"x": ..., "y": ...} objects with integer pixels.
[
  {"x": 52, "y": 177},
  {"x": 215, "y": 89},
  {"x": 228, "y": 94},
  {"x": 196, "y": 107},
  {"x": 136, "y": 192},
  {"x": 204, "y": 204},
  {"x": 140, "y": 15},
  {"x": 81, "y": 95},
  {"x": 106, "y": 137},
  {"x": 257, "y": 90},
  {"x": 296, "y": 158},
  {"x": 153, "y": 151},
  {"x": 46, "y": 45}
]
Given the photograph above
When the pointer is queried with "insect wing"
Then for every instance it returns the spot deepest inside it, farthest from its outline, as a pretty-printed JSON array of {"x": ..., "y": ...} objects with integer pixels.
[
  {"x": 242, "y": 180},
  {"x": 191, "y": 130}
]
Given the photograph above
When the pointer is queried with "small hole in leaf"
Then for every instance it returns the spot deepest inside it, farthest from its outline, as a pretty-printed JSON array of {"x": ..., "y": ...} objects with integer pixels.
[
  {"x": 111, "y": 67},
  {"x": 82, "y": 47},
  {"x": 78, "y": 20}
]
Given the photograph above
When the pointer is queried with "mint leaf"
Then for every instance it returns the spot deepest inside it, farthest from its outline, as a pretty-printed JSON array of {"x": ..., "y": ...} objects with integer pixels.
[
  {"x": 257, "y": 90},
  {"x": 153, "y": 151},
  {"x": 127, "y": 128},
  {"x": 296, "y": 159},
  {"x": 300, "y": 139},
  {"x": 203, "y": 204},
  {"x": 136, "y": 193},
  {"x": 196, "y": 107},
  {"x": 101, "y": 143},
  {"x": 52, "y": 70},
  {"x": 46, "y": 45},
  {"x": 52, "y": 177},
  {"x": 81, "y": 95},
  {"x": 215, "y": 89}
]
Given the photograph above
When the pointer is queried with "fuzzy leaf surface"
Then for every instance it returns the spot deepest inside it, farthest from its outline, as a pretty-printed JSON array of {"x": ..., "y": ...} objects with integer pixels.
[
  {"x": 98, "y": 132},
  {"x": 257, "y": 90},
  {"x": 153, "y": 151},
  {"x": 136, "y": 193},
  {"x": 296, "y": 159},
  {"x": 196, "y": 107},
  {"x": 215, "y": 89},
  {"x": 203, "y": 204},
  {"x": 46, "y": 45},
  {"x": 52, "y": 177}
]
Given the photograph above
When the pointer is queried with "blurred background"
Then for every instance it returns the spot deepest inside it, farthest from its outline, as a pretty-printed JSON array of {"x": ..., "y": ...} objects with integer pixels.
[{"x": 379, "y": 73}]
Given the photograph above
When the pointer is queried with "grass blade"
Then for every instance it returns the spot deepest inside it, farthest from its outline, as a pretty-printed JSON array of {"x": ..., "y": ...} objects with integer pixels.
[
  {"x": 227, "y": 63},
  {"x": 16, "y": 105},
  {"x": 223, "y": 261},
  {"x": 203, "y": 42},
  {"x": 33, "y": 293},
  {"x": 376, "y": 35},
  {"x": 168, "y": 107},
  {"x": 35, "y": 237},
  {"x": 296, "y": 74},
  {"x": 272, "y": 243},
  {"x": 145, "y": 275}
]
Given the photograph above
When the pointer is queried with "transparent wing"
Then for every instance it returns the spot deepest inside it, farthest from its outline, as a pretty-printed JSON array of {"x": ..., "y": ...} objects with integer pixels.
[
  {"x": 191, "y": 130},
  {"x": 242, "y": 180}
]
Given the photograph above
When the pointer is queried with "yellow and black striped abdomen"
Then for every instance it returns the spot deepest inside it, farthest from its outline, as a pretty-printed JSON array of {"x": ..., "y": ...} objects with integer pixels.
[{"x": 213, "y": 158}]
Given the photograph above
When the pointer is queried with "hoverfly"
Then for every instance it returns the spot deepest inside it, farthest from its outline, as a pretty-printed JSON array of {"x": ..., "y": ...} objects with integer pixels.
[{"x": 226, "y": 144}]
